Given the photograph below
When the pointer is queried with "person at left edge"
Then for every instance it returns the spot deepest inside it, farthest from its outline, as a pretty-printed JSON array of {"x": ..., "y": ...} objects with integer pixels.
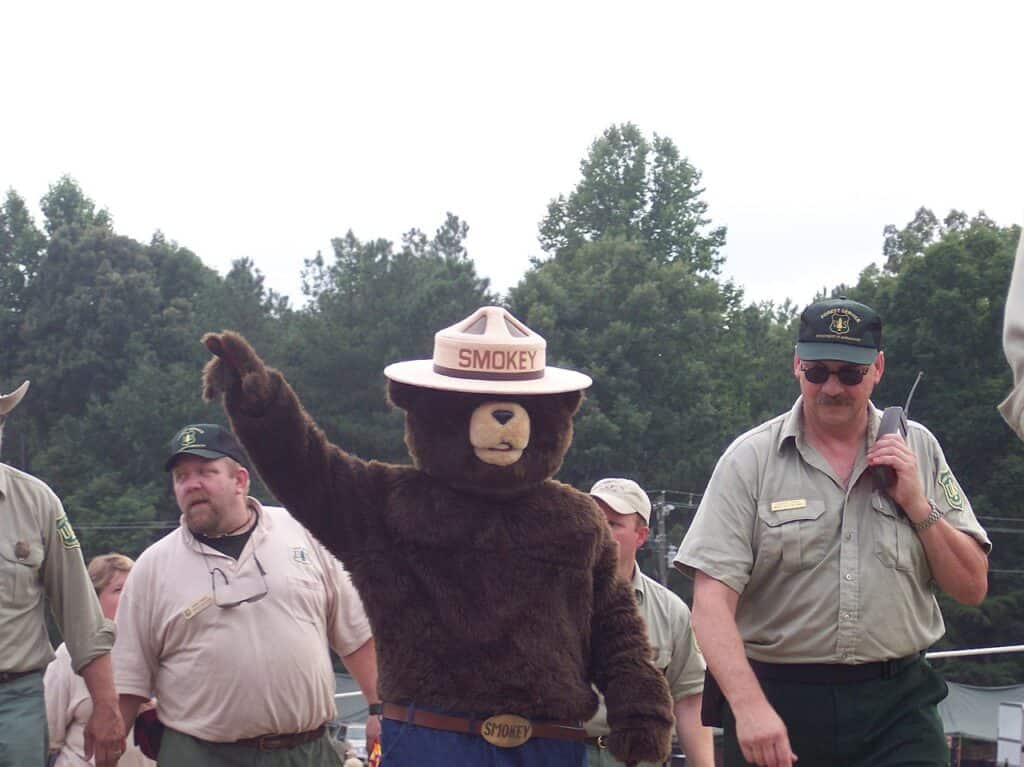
[
  {"x": 227, "y": 621},
  {"x": 41, "y": 557}
]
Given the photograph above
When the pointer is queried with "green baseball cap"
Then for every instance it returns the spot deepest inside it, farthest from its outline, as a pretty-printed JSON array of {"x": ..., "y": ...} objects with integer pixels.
[
  {"x": 207, "y": 440},
  {"x": 839, "y": 329}
]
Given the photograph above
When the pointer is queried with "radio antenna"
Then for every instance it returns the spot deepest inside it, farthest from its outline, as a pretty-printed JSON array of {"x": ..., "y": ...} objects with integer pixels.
[{"x": 906, "y": 408}]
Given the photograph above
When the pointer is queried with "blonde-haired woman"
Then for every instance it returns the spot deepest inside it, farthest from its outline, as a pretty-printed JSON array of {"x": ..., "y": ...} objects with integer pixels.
[{"x": 68, "y": 704}]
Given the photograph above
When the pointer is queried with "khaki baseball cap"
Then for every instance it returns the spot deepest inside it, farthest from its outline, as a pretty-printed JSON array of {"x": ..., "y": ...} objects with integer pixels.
[
  {"x": 10, "y": 401},
  {"x": 489, "y": 352},
  {"x": 623, "y": 496}
]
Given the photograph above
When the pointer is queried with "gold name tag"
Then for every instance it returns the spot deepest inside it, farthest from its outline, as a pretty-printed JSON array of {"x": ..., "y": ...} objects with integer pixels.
[
  {"x": 197, "y": 607},
  {"x": 506, "y": 730},
  {"x": 798, "y": 503}
]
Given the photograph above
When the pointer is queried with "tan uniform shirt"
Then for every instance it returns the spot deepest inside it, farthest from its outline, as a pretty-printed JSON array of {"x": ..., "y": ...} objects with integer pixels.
[
  {"x": 825, "y": 573},
  {"x": 227, "y": 673},
  {"x": 674, "y": 647},
  {"x": 40, "y": 556},
  {"x": 1012, "y": 407},
  {"x": 68, "y": 708}
]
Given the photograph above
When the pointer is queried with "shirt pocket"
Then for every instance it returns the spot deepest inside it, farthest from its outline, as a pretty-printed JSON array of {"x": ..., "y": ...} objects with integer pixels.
[
  {"x": 307, "y": 600},
  {"x": 796, "y": 536},
  {"x": 893, "y": 544},
  {"x": 20, "y": 582}
]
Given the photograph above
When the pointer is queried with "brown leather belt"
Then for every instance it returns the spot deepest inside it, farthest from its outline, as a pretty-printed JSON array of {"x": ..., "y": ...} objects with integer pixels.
[
  {"x": 485, "y": 727},
  {"x": 10, "y": 676},
  {"x": 277, "y": 742}
]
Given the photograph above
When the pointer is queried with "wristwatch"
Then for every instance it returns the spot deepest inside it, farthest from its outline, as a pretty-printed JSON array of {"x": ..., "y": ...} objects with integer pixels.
[{"x": 934, "y": 516}]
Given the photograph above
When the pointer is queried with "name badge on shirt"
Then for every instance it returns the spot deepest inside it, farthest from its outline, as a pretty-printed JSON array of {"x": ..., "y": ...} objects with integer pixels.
[
  {"x": 796, "y": 503},
  {"x": 197, "y": 607}
]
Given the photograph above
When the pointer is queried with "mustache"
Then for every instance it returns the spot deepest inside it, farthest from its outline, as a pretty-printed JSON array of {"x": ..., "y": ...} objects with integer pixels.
[{"x": 829, "y": 400}]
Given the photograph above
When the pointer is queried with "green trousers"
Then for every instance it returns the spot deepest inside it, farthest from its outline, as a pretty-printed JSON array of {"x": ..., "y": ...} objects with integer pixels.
[
  {"x": 180, "y": 750},
  {"x": 879, "y": 723},
  {"x": 23, "y": 738}
]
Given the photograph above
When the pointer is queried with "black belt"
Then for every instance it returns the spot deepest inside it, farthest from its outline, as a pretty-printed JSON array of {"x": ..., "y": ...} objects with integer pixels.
[
  {"x": 10, "y": 676},
  {"x": 831, "y": 673},
  {"x": 277, "y": 742}
]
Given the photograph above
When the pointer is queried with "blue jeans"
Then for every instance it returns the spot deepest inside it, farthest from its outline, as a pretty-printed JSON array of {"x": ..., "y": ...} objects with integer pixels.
[
  {"x": 23, "y": 737},
  {"x": 410, "y": 745}
]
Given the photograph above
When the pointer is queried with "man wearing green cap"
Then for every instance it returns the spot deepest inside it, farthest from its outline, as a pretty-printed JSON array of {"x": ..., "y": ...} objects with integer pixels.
[
  {"x": 227, "y": 621},
  {"x": 813, "y": 592}
]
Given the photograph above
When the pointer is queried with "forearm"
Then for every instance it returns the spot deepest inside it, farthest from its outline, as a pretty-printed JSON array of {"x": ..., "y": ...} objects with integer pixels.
[
  {"x": 98, "y": 675},
  {"x": 696, "y": 739},
  {"x": 714, "y": 623},
  {"x": 362, "y": 665},
  {"x": 129, "y": 706},
  {"x": 958, "y": 564}
]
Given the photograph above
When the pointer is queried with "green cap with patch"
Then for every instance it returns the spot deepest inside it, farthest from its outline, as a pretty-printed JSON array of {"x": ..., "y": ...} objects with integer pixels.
[
  {"x": 839, "y": 329},
  {"x": 207, "y": 440}
]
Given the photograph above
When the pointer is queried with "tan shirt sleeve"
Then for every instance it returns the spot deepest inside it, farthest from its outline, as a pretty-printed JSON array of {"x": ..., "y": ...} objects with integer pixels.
[
  {"x": 72, "y": 597},
  {"x": 348, "y": 628},
  {"x": 1012, "y": 408},
  {"x": 685, "y": 672},
  {"x": 135, "y": 656},
  {"x": 718, "y": 542}
]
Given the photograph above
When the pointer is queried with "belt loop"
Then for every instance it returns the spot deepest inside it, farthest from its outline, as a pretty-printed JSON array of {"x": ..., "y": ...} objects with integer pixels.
[{"x": 888, "y": 668}]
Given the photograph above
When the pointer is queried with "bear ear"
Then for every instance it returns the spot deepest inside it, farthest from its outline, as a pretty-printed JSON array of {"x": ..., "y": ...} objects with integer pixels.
[
  {"x": 571, "y": 401},
  {"x": 403, "y": 395}
]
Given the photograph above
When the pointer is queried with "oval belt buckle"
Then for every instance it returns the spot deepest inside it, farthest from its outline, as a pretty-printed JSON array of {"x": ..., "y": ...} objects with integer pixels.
[{"x": 506, "y": 730}]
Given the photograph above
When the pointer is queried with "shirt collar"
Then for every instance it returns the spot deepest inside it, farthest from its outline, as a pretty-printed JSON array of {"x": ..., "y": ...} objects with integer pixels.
[
  {"x": 263, "y": 523},
  {"x": 793, "y": 424},
  {"x": 639, "y": 586}
]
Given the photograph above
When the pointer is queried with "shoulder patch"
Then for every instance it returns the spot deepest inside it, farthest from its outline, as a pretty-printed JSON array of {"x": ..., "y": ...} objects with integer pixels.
[
  {"x": 67, "y": 533},
  {"x": 951, "y": 490}
]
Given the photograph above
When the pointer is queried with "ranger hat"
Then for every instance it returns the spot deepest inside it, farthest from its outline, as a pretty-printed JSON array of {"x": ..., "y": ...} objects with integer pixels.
[
  {"x": 839, "y": 329},
  {"x": 10, "y": 401},
  {"x": 207, "y": 440},
  {"x": 623, "y": 496},
  {"x": 489, "y": 352}
]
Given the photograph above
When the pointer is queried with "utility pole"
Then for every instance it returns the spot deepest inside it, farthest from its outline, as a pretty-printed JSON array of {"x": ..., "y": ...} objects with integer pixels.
[{"x": 662, "y": 510}]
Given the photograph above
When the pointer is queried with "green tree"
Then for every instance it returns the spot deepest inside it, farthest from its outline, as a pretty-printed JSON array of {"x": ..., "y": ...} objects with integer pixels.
[
  {"x": 372, "y": 305},
  {"x": 641, "y": 191},
  {"x": 629, "y": 294}
]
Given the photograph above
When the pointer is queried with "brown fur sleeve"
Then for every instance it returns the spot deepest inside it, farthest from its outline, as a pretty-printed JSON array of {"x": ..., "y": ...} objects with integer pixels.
[
  {"x": 636, "y": 693},
  {"x": 332, "y": 493}
]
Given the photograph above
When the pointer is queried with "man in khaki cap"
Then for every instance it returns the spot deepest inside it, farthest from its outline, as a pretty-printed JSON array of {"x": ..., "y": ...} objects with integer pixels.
[
  {"x": 675, "y": 652},
  {"x": 1012, "y": 407},
  {"x": 227, "y": 621},
  {"x": 814, "y": 581},
  {"x": 41, "y": 557}
]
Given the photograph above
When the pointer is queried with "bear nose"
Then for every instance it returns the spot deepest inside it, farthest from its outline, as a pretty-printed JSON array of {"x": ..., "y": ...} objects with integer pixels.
[{"x": 502, "y": 416}]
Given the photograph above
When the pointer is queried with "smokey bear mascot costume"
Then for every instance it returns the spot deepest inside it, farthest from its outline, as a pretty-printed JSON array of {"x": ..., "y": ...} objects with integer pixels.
[{"x": 490, "y": 587}]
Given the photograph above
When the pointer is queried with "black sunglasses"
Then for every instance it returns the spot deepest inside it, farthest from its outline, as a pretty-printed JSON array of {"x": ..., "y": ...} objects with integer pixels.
[{"x": 847, "y": 375}]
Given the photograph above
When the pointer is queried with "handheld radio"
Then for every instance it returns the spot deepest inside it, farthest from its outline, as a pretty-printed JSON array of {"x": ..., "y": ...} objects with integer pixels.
[{"x": 894, "y": 419}]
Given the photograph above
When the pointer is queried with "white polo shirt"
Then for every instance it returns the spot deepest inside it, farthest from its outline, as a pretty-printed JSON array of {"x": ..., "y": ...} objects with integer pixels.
[{"x": 227, "y": 673}]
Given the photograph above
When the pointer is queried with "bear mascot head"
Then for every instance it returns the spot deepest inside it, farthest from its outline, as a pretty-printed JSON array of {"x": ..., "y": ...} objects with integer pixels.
[{"x": 490, "y": 587}]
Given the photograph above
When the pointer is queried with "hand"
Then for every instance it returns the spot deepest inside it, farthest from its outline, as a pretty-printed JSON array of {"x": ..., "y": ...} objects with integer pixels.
[
  {"x": 652, "y": 744},
  {"x": 234, "y": 365},
  {"x": 763, "y": 737},
  {"x": 893, "y": 451},
  {"x": 372, "y": 731},
  {"x": 105, "y": 734}
]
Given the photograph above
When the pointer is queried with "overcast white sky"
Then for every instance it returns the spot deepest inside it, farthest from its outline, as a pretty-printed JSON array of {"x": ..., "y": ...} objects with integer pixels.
[{"x": 264, "y": 130}]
